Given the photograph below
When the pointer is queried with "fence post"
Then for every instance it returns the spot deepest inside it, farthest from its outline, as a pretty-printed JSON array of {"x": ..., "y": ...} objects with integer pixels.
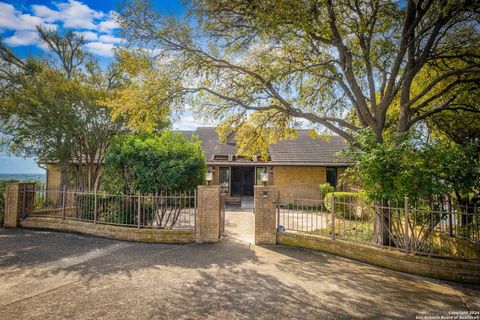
[
  {"x": 139, "y": 210},
  {"x": 24, "y": 200},
  {"x": 95, "y": 206},
  {"x": 63, "y": 202},
  {"x": 278, "y": 208},
  {"x": 450, "y": 222},
  {"x": 18, "y": 203},
  {"x": 333, "y": 216},
  {"x": 407, "y": 243},
  {"x": 265, "y": 203}
]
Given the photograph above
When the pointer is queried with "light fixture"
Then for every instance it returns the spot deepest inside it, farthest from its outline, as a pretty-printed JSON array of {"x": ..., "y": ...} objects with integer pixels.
[
  {"x": 209, "y": 177},
  {"x": 264, "y": 178}
]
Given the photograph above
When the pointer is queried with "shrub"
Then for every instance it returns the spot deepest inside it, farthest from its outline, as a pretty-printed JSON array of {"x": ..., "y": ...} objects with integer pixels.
[
  {"x": 326, "y": 188},
  {"x": 113, "y": 209},
  {"x": 148, "y": 163},
  {"x": 348, "y": 205}
]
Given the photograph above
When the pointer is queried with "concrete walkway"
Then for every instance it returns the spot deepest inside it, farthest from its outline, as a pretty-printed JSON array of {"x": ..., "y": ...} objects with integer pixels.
[
  {"x": 49, "y": 275},
  {"x": 239, "y": 224}
]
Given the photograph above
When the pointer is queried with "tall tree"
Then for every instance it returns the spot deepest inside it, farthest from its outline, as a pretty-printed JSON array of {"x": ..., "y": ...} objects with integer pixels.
[
  {"x": 340, "y": 65},
  {"x": 345, "y": 66},
  {"x": 49, "y": 108}
]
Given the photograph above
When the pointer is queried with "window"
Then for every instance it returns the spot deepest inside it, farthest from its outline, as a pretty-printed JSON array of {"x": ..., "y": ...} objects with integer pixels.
[
  {"x": 332, "y": 176},
  {"x": 258, "y": 175},
  {"x": 225, "y": 178}
]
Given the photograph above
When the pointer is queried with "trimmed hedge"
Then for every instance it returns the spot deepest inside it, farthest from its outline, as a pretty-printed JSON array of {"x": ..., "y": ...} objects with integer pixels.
[{"x": 348, "y": 205}]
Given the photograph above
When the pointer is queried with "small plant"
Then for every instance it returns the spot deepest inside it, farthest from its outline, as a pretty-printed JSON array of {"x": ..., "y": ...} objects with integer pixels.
[{"x": 325, "y": 188}]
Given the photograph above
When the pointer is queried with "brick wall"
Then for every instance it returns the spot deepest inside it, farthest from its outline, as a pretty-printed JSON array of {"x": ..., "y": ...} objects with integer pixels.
[
  {"x": 446, "y": 269},
  {"x": 110, "y": 231},
  {"x": 265, "y": 204},
  {"x": 207, "y": 218},
  {"x": 19, "y": 199},
  {"x": 298, "y": 180}
]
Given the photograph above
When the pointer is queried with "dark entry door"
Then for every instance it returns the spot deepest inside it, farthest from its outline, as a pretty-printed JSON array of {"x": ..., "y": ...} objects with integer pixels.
[{"x": 242, "y": 181}]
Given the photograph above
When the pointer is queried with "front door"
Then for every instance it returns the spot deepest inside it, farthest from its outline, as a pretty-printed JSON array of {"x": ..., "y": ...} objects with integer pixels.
[{"x": 242, "y": 181}]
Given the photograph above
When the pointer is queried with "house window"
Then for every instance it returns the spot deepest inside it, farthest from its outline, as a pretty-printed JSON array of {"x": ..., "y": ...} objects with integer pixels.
[
  {"x": 258, "y": 175},
  {"x": 332, "y": 176},
  {"x": 225, "y": 178}
]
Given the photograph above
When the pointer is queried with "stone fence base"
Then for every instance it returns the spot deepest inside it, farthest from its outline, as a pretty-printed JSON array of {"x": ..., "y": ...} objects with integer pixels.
[{"x": 445, "y": 269}]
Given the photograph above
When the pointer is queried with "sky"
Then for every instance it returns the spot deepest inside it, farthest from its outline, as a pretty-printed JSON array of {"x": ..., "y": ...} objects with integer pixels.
[{"x": 93, "y": 19}]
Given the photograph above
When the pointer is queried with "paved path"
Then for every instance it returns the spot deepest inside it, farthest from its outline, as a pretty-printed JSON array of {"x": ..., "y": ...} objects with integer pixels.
[
  {"x": 239, "y": 224},
  {"x": 49, "y": 275}
]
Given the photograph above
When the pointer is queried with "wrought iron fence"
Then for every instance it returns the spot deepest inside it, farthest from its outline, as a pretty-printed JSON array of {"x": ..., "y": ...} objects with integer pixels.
[
  {"x": 447, "y": 230},
  {"x": 163, "y": 209}
]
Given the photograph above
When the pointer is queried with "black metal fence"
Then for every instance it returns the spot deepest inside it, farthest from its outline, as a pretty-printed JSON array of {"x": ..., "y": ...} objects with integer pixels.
[
  {"x": 446, "y": 230},
  {"x": 164, "y": 209}
]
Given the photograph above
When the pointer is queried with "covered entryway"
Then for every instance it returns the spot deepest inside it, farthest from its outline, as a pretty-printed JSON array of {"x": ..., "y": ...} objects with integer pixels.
[
  {"x": 242, "y": 181},
  {"x": 239, "y": 219}
]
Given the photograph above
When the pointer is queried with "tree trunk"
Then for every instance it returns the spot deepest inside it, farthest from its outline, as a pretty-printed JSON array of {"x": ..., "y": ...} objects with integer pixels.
[
  {"x": 381, "y": 224},
  {"x": 403, "y": 118}
]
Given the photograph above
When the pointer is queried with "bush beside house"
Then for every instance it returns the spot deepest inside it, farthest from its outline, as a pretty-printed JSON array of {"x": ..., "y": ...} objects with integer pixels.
[
  {"x": 149, "y": 163},
  {"x": 348, "y": 205}
]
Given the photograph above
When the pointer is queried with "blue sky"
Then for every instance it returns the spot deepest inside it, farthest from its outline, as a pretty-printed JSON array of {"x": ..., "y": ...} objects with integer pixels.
[{"x": 93, "y": 19}]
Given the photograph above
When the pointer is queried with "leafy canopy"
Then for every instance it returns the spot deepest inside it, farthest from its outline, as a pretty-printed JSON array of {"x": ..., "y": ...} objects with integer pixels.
[
  {"x": 341, "y": 66},
  {"x": 414, "y": 167},
  {"x": 150, "y": 163},
  {"x": 49, "y": 108}
]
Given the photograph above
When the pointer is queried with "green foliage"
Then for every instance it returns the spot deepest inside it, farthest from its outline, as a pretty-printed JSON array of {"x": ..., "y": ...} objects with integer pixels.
[
  {"x": 49, "y": 108},
  {"x": 258, "y": 67},
  {"x": 325, "y": 188},
  {"x": 110, "y": 209},
  {"x": 149, "y": 163},
  {"x": 408, "y": 166},
  {"x": 348, "y": 205}
]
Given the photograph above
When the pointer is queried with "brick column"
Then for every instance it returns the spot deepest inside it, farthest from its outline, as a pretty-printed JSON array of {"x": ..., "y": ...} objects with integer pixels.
[
  {"x": 207, "y": 219},
  {"x": 265, "y": 214},
  {"x": 16, "y": 202}
]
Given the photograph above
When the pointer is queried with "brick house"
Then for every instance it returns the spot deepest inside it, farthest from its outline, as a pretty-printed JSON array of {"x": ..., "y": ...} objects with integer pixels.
[{"x": 295, "y": 166}]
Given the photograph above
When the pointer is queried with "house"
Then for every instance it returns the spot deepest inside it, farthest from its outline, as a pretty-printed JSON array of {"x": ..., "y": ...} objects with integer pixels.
[{"x": 296, "y": 166}]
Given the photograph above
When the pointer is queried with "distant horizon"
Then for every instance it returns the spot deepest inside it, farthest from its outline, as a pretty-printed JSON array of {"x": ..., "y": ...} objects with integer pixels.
[{"x": 21, "y": 173}]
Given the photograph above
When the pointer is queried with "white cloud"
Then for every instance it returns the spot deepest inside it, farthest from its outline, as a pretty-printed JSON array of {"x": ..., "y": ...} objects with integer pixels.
[
  {"x": 187, "y": 122},
  {"x": 46, "y": 13},
  {"x": 109, "y": 39},
  {"x": 12, "y": 19},
  {"x": 96, "y": 27},
  {"x": 76, "y": 15},
  {"x": 100, "y": 48},
  {"x": 88, "y": 35},
  {"x": 108, "y": 25},
  {"x": 73, "y": 14},
  {"x": 23, "y": 38}
]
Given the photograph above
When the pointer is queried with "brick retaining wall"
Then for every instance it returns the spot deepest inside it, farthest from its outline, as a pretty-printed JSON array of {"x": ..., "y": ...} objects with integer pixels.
[
  {"x": 446, "y": 269},
  {"x": 110, "y": 231}
]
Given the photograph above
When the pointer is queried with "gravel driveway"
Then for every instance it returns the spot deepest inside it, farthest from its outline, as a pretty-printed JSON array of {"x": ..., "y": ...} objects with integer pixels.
[{"x": 59, "y": 275}]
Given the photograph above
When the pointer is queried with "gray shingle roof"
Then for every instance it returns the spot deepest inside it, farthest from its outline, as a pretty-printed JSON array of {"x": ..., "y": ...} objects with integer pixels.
[{"x": 302, "y": 150}]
